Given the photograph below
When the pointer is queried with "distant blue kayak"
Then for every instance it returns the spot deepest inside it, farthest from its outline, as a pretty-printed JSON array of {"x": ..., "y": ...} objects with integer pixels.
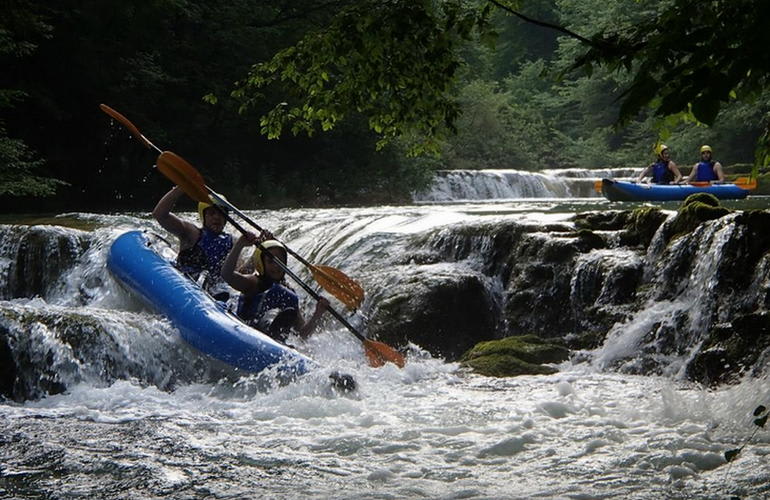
[
  {"x": 203, "y": 322},
  {"x": 630, "y": 191}
]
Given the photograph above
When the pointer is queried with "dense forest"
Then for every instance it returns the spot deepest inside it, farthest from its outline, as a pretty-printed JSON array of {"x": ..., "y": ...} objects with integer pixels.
[{"x": 330, "y": 102}]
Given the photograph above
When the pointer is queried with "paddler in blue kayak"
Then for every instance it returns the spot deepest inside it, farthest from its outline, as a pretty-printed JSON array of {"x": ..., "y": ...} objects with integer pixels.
[
  {"x": 664, "y": 170},
  {"x": 200, "y": 248},
  {"x": 267, "y": 302},
  {"x": 707, "y": 170}
]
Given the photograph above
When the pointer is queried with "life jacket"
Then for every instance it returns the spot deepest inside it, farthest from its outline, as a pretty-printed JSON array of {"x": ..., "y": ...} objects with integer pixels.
[
  {"x": 272, "y": 311},
  {"x": 207, "y": 254},
  {"x": 705, "y": 172},
  {"x": 661, "y": 173}
]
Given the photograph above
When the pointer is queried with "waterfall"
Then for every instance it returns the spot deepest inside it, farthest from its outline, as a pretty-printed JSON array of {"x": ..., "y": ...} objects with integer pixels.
[{"x": 459, "y": 185}]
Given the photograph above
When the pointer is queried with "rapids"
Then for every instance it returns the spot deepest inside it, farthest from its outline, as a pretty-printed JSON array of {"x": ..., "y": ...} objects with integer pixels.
[{"x": 117, "y": 406}]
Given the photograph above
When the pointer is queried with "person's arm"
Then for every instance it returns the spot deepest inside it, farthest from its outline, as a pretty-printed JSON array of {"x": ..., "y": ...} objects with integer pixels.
[
  {"x": 185, "y": 231},
  {"x": 304, "y": 329},
  {"x": 245, "y": 283},
  {"x": 677, "y": 174},
  {"x": 693, "y": 173},
  {"x": 718, "y": 170},
  {"x": 644, "y": 173}
]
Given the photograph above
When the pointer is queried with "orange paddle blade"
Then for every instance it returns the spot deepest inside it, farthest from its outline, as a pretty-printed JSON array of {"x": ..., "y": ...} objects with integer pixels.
[
  {"x": 598, "y": 186},
  {"x": 184, "y": 175},
  {"x": 378, "y": 354},
  {"x": 742, "y": 182},
  {"x": 338, "y": 284},
  {"x": 127, "y": 123}
]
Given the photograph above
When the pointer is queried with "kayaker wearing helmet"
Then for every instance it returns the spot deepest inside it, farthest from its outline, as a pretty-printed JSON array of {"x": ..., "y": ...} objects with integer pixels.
[
  {"x": 664, "y": 170},
  {"x": 707, "y": 170},
  {"x": 266, "y": 301},
  {"x": 200, "y": 248}
]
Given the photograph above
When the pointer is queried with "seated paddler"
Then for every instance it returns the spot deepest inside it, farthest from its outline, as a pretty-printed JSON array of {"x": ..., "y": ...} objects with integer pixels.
[
  {"x": 267, "y": 302},
  {"x": 201, "y": 249},
  {"x": 707, "y": 169},
  {"x": 664, "y": 170}
]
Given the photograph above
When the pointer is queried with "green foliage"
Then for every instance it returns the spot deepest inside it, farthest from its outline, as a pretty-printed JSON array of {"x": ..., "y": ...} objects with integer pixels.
[
  {"x": 16, "y": 171},
  {"x": 688, "y": 56},
  {"x": 20, "y": 31},
  {"x": 394, "y": 62}
]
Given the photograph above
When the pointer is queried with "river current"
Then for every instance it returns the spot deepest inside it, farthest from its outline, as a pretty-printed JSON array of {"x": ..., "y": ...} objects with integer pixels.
[{"x": 429, "y": 430}]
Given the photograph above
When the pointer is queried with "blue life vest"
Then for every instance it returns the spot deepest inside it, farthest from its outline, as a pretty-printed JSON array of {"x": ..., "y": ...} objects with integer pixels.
[
  {"x": 705, "y": 172},
  {"x": 277, "y": 299},
  {"x": 660, "y": 172},
  {"x": 207, "y": 254}
]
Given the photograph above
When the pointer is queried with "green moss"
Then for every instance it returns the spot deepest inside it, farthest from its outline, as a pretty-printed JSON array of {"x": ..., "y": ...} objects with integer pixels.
[
  {"x": 695, "y": 209},
  {"x": 518, "y": 355},
  {"x": 589, "y": 240},
  {"x": 642, "y": 224},
  {"x": 501, "y": 365},
  {"x": 705, "y": 198},
  {"x": 601, "y": 221}
]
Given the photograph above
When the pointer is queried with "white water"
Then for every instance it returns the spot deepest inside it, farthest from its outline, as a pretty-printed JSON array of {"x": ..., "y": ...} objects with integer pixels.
[
  {"x": 427, "y": 431},
  {"x": 463, "y": 185}
]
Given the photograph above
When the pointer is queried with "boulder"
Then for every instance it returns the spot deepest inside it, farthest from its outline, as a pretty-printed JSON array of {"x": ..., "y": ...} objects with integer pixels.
[
  {"x": 436, "y": 307},
  {"x": 516, "y": 355}
]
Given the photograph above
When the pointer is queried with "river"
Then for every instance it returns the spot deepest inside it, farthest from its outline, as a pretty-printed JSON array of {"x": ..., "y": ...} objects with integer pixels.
[{"x": 142, "y": 415}]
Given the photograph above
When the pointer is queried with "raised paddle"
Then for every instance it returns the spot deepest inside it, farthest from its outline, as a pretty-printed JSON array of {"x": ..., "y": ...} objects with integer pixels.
[
  {"x": 332, "y": 280},
  {"x": 130, "y": 126},
  {"x": 184, "y": 175},
  {"x": 187, "y": 177}
]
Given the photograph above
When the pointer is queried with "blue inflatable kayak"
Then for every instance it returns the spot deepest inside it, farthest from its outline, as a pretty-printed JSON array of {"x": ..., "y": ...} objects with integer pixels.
[
  {"x": 203, "y": 322},
  {"x": 630, "y": 191}
]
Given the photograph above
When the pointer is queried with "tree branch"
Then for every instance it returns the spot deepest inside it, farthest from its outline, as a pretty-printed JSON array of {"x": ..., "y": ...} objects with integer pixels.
[{"x": 544, "y": 24}]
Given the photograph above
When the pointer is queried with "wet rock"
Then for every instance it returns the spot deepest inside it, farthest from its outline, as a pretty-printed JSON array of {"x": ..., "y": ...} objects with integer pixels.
[
  {"x": 440, "y": 309},
  {"x": 511, "y": 356},
  {"x": 39, "y": 256},
  {"x": 634, "y": 227},
  {"x": 46, "y": 352},
  {"x": 733, "y": 349},
  {"x": 601, "y": 221},
  {"x": 695, "y": 209},
  {"x": 7, "y": 368},
  {"x": 641, "y": 225}
]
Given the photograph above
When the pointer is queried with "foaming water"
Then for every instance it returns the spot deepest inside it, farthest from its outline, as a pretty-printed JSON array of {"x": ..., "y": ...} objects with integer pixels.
[{"x": 427, "y": 431}]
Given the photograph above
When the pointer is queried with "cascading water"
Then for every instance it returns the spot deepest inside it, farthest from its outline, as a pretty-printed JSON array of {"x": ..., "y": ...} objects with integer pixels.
[
  {"x": 115, "y": 405},
  {"x": 463, "y": 185}
]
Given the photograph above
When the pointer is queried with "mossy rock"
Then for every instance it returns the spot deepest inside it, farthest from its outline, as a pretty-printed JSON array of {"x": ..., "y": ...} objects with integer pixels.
[
  {"x": 517, "y": 355},
  {"x": 502, "y": 365},
  {"x": 641, "y": 225},
  {"x": 706, "y": 198},
  {"x": 601, "y": 221},
  {"x": 588, "y": 240},
  {"x": 695, "y": 209}
]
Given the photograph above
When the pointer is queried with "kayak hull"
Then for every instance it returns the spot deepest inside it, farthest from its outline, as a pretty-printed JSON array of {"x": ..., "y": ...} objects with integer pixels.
[
  {"x": 615, "y": 190},
  {"x": 203, "y": 323}
]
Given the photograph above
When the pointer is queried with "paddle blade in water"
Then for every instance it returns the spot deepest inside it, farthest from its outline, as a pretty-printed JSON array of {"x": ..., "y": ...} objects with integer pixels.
[
  {"x": 339, "y": 284},
  {"x": 184, "y": 175},
  {"x": 378, "y": 354}
]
